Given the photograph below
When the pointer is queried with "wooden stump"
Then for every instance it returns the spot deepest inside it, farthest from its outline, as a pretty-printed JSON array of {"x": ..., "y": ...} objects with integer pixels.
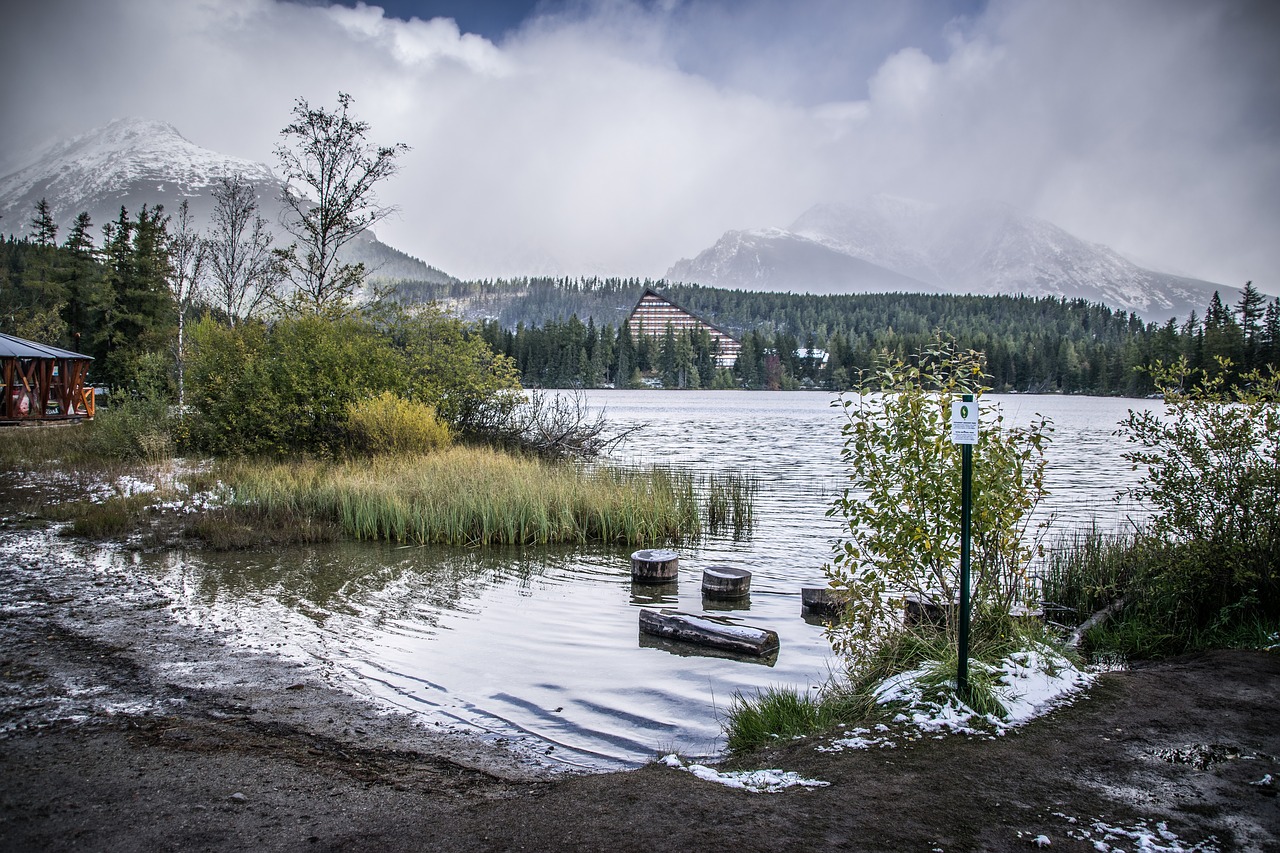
[
  {"x": 725, "y": 582},
  {"x": 656, "y": 565},
  {"x": 659, "y": 594},
  {"x": 820, "y": 601},
  {"x": 725, "y": 604},
  {"x": 920, "y": 610},
  {"x": 709, "y": 631}
]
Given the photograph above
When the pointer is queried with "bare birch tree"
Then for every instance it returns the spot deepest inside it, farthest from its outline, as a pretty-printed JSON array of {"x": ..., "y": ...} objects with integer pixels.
[
  {"x": 187, "y": 268},
  {"x": 329, "y": 172},
  {"x": 244, "y": 268}
]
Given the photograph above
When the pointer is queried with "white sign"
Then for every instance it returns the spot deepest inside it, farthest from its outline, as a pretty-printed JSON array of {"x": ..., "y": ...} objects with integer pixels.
[{"x": 964, "y": 423}]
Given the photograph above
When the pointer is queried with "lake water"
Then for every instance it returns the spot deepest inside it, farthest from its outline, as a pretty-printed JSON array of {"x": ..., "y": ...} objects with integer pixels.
[{"x": 541, "y": 648}]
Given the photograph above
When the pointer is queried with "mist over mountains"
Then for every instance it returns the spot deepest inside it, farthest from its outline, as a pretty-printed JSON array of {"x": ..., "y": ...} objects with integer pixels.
[
  {"x": 893, "y": 244},
  {"x": 880, "y": 244},
  {"x": 131, "y": 162}
]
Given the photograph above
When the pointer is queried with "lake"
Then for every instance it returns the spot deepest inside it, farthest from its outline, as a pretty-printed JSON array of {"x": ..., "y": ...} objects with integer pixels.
[{"x": 540, "y": 648}]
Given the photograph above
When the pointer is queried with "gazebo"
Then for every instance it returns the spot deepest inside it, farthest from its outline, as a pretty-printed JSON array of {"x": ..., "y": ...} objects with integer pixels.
[{"x": 43, "y": 384}]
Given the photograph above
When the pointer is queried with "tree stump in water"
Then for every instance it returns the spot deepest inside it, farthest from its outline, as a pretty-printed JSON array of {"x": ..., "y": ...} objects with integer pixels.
[
  {"x": 820, "y": 601},
  {"x": 725, "y": 582},
  {"x": 709, "y": 631},
  {"x": 656, "y": 565},
  {"x": 919, "y": 610}
]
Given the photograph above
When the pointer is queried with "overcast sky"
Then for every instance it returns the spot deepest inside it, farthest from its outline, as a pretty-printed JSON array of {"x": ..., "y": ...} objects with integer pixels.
[{"x": 616, "y": 137}]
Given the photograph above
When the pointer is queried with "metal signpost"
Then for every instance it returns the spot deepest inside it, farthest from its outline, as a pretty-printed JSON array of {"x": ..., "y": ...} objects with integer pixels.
[{"x": 964, "y": 432}]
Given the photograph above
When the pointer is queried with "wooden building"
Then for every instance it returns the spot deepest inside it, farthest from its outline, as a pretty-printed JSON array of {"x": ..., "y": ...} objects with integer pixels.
[
  {"x": 654, "y": 312},
  {"x": 43, "y": 384}
]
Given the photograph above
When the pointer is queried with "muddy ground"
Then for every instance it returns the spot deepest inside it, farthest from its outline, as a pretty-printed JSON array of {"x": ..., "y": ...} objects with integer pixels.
[{"x": 121, "y": 730}]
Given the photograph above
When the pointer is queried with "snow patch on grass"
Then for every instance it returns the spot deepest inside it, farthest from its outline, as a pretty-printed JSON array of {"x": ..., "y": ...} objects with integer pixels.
[
  {"x": 756, "y": 781},
  {"x": 1031, "y": 683}
]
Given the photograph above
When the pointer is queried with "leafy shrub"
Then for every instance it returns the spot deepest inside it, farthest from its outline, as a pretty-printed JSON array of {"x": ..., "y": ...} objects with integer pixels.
[
  {"x": 391, "y": 424},
  {"x": 902, "y": 506},
  {"x": 255, "y": 389},
  {"x": 131, "y": 429},
  {"x": 1212, "y": 461}
]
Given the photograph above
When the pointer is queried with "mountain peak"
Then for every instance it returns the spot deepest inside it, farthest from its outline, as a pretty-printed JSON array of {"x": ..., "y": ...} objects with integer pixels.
[{"x": 123, "y": 158}]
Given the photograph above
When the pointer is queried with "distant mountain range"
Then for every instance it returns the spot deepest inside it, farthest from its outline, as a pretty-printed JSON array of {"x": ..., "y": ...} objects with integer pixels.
[
  {"x": 893, "y": 244},
  {"x": 132, "y": 162}
]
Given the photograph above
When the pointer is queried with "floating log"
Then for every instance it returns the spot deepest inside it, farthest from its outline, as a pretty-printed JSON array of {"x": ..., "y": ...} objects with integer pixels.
[
  {"x": 709, "y": 631},
  {"x": 820, "y": 601},
  {"x": 655, "y": 565},
  {"x": 725, "y": 582},
  {"x": 689, "y": 650}
]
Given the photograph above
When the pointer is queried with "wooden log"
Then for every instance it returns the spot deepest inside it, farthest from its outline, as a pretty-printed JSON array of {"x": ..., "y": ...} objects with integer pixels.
[
  {"x": 820, "y": 601},
  {"x": 709, "y": 631},
  {"x": 655, "y": 565},
  {"x": 726, "y": 582}
]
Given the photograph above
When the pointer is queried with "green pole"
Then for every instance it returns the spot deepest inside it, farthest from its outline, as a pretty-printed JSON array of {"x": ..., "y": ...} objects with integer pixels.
[{"x": 966, "y": 499}]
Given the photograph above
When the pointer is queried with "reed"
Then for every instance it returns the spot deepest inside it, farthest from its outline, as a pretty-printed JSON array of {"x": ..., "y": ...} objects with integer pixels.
[{"x": 477, "y": 496}]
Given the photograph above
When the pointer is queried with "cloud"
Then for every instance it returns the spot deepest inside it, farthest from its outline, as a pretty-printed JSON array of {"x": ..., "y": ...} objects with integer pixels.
[{"x": 616, "y": 137}]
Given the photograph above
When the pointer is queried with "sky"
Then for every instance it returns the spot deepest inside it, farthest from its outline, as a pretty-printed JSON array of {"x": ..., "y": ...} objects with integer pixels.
[{"x": 615, "y": 137}]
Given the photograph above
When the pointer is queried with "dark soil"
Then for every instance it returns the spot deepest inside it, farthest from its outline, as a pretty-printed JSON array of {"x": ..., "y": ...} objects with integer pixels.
[{"x": 122, "y": 731}]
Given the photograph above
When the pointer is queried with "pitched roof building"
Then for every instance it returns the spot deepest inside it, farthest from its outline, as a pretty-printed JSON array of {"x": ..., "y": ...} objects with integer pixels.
[
  {"x": 42, "y": 383},
  {"x": 654, "y": 312}
]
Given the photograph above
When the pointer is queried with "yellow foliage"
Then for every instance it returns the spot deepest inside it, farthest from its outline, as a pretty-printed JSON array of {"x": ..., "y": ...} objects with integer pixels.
[{"x": 388, "y": 424}]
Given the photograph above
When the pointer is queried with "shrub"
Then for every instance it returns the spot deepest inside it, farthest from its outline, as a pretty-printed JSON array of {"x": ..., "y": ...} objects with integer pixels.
[
  {"x": 284, "y": 388},
  {"x": 1212, "y": 461},
  {"x": 902, "y": 506},
  {"x": 391, "y": 424},
  {"x": 131, "y": 429}
]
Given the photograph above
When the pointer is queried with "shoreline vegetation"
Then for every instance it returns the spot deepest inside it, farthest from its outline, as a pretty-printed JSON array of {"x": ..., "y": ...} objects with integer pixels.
[
  {"x": 1200, "y": 575},
  {"x": 458, "y": 495}
]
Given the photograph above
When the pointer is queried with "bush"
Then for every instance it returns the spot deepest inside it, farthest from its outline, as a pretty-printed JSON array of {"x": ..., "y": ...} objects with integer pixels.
[
  {"x": 131, "y": 429},
  {"x": 391, "y": 424},
  {"x": 1212, "y": 461},
  {"x": 902, "y": 507},
  {"x": 285, "y": 388}
]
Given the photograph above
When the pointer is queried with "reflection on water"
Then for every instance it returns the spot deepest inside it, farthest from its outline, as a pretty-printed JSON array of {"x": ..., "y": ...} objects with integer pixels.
[{"x": 542, "y": 648}]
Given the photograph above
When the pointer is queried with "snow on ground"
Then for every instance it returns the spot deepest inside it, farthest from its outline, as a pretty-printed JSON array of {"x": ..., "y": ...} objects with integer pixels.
[
  {"x": 756, "y": 781},
  {"x": 1141, "y": 836},
  {"x": 1031, "y": 684}
]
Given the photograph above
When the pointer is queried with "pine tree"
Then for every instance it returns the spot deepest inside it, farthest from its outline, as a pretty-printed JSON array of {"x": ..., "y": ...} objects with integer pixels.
[
  {"x": 44, "y": 231},
  {"x": 83, "y": 284},
  {"x": 1250, "y": 309}
]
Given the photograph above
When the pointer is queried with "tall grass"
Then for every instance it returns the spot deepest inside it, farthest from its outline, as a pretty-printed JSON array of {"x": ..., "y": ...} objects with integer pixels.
[
  {"x": 729, "y": 503},
  {"x": 1176, "y": 596},
  {"x": 477, "y": 496}
]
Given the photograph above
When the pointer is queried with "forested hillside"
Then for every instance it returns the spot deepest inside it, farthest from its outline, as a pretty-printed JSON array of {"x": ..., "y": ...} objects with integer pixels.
[{"x": 568, "y": 332}]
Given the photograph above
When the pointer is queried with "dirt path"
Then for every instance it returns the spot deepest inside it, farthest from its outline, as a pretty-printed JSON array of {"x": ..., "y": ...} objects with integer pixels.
[{"x": 121, "y": 731}]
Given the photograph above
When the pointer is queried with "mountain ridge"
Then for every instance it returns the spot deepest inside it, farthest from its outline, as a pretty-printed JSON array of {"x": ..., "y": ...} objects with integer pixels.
[{"x": 979, "y": 248}]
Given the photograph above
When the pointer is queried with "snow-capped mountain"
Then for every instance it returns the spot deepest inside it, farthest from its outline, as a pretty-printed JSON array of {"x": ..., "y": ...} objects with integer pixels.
[
  {"x": 131, "y": 162},
  {"x": 976, "y": 248},
  {"x": 128, "y": 162}
]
